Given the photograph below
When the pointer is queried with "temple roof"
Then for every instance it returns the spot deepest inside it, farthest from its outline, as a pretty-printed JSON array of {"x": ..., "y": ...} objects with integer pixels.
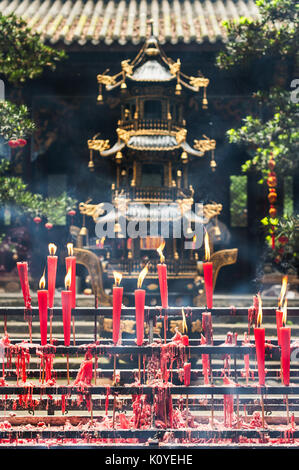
[
  {"x": 153, "y": 142},
  {"x": 111, "y": 21},
  {"x": 152, "y": 71}
]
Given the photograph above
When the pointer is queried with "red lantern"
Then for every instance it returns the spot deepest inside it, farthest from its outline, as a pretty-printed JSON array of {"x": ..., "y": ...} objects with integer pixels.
[
  {"x": 48, "y": 226},
  {"x": 272, "y": 180},
  {"x": 22, "y": 142},
  {"x": 283, "y": 239},
  {"x": 272, "y": 196},
  {"x": 37, "y": 220},
  {"x": 72, "y": 213},
  {"x": 272, "y": 211},
  {"x": 13, "y": 143}
]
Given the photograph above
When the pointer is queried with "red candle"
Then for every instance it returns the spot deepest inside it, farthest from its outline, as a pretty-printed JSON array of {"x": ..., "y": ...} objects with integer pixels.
[
  {"x": 259, "y": 335},
  {"x": 23, "y": 275},
  {"x": 208, "y": 273},
  {"x": 70, "y": 262},
  {"x": 162, "y": 274},
  {"x": 279, "y": 312},
  {"x": 285, "y": 339},
  {"x": 279, "y": 315},
  {"x": 139, "y": 306},
  {"x": 187, "y": 374},
  {"x": 117, "y": 302},
  {"x": 66, "y": 301},
  {"x": 42, "y": 297},
  {"x": 52, "y": 269}
]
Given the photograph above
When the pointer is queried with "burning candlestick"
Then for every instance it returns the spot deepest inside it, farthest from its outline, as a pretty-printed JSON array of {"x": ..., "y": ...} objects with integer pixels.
[
  {"x": 139, "y": 311},
  {"x": 208, "y": 273},
  {"x": 139, "y": 306},
  {"x": 162, "y": 274},
  {"x": 42, "y": 297},
  {"x": 259, "y": 335},
  {"x": 66, "y": 301},
  {"x": 117, "y": 302},
  {"x": 70, "y": 263},
  {"x": 23, "y": 275},
  {"x": 285, "y": 340},
  {"x": 279, "y": 312},
  {"x": 52, "y": 270}
]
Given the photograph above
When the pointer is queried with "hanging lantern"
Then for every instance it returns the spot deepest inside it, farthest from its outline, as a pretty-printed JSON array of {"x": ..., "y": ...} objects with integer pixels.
[
  {"x": 178, "y": 89},
  {"x": 272, "y": 211},
  {"x": 213, "y": 163},
  {"x": 184, "y": 157},
  {"x": 100, "y": 95},
  {"x": 272, "y": 196},
  {"x": 205, "y": 100},
  {"x": 91, "y": 163},
  {"x": 118, "y": 157}
]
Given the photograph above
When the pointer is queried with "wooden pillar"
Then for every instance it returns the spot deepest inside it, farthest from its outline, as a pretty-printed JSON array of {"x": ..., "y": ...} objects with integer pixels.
[{"x": 169, "y": 174}]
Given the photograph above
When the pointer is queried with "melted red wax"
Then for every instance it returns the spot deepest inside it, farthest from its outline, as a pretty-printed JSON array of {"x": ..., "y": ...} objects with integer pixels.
[
  {"x": 47, "y": 355},
  {"x": 85, "y": 373},
  {"x": 205, "y": 363},
  {"x": 246, "y": 372},
  {"x": 141, "y": 412},
  {"x": 22, "y": 359},
  {"x": 228, "y": 404},
  {"x": 163, "y": 407},
  {"x": 171, "y": 352}
]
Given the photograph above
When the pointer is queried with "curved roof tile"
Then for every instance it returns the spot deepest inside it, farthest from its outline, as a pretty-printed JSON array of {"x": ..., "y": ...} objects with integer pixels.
[{"x": 109, "y": 21}]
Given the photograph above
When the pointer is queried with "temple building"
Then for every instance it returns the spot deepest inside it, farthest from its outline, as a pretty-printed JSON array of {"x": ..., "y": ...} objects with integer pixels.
[{"x": 171, "y": 130}]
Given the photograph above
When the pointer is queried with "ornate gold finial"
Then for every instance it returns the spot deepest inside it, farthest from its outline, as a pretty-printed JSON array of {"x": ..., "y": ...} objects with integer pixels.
[
  {"x": 150, "y": 22},
  {"x": 205, "y": 145},
  {"x": 175, "y": 67},
  {"x": 126, "y": 67},
  {"x": 98, "y": 144}
]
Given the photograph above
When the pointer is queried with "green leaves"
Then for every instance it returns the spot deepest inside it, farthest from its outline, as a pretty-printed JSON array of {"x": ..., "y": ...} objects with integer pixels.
[
  {"x": 14, "y": 121},
  {"x": 22, "y": 53},
  {"x": 14, "y": 192},
  {"x": 274, "y": 34},
  {"x": 275, "y": 137}
]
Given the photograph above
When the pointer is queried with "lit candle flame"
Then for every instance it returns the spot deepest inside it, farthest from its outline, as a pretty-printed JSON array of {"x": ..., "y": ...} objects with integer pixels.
[
  {"x": 260, "y": 311},
  {"x": 285, "y": 312},
  {"x": 141, "y": 276},
  {"x": 117, "y": 278},
  {"x": 42, "y": 281},
  {"x": 284, "y": 286},
  {"x": 207, "y": 247},
  {"x": 68, "y": 278},
  {"x": 70, "y": 249},
  {"x": 160, "y": 251},
  {"x": 184, "y": 325},
  {"x": 103, "y": 241},
  {"x": 52, "y": 249}
]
